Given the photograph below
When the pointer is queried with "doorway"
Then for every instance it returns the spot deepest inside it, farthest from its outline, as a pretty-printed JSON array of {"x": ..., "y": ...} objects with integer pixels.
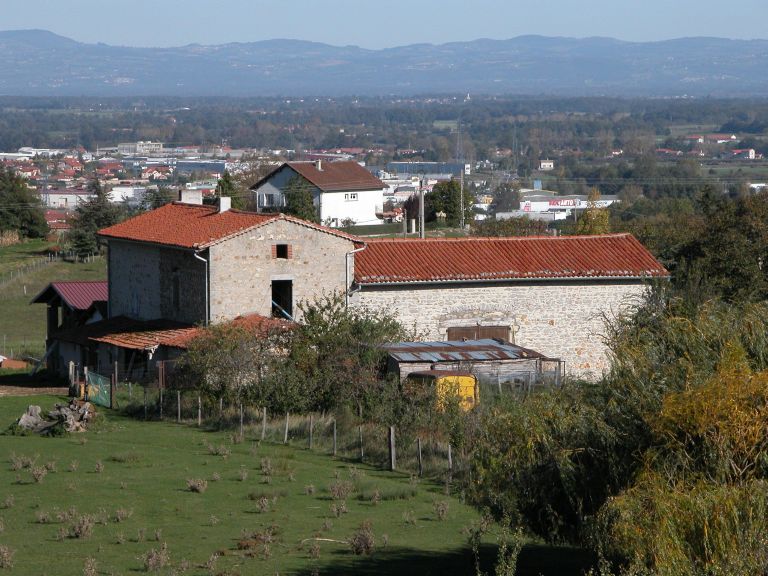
[{"x": 282, "y": 299}]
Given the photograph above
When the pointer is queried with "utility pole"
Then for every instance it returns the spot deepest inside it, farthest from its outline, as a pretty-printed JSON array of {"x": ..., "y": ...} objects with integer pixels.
[{"x": 422, "y": 234}]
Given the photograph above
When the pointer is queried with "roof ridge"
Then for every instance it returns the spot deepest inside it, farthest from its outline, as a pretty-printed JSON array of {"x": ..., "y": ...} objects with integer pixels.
[{"x": 498, "y": 238}]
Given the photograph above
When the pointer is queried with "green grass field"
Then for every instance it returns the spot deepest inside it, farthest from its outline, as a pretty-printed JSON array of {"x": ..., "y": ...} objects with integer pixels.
[
  {"x": 267, "y": 508},
  {"x": 17, "y": 256},
  {"x": 22, "y": 326}
]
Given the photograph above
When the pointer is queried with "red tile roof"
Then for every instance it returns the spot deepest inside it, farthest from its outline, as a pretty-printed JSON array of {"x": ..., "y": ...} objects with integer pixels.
[
  {"x": 195, "y": 226},
  {"x": 494, "y": 259},
  {"x": 78, "y": 295},
  {"x": 133, "y": 334},
  {"x": 334, "y": 176}
]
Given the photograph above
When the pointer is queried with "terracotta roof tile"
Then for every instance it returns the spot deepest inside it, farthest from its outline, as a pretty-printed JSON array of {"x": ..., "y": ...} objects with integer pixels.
[
  {"x": 336, "y": 176},
  {"x": 78, "y": 295},
  {"x": 185, "y": 225},
  {"x": 495, "y": 259},
  {"x": 195, "y": 226}
]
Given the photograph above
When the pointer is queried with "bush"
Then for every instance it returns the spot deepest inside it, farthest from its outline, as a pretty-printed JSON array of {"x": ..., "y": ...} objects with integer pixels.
[
  {"x": 363, "y": 541},
  {"x": 156, "y": 559},
  {"x": 6, "y": 557},
  {"x": 197, "y": 485},
  {"x": 82, "y": 527}
]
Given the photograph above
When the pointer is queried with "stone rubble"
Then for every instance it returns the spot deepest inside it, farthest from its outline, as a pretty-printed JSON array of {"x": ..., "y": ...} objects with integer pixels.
[{"x": 72, "y": 418}]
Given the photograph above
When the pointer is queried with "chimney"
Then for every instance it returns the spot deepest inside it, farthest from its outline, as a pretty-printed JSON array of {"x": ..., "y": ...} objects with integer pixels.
[
  {"x": 319, "y": 165},
  {"x": 225, "y": 203},
  {"x": 191, "y": 196}
]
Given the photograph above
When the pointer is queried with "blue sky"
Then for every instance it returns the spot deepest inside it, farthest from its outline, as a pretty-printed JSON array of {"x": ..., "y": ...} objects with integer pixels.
[{"x": 381, "y": 24}]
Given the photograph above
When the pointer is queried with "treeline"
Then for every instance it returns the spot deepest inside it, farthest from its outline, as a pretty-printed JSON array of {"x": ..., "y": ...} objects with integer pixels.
[{"x": 535, "y": 127}]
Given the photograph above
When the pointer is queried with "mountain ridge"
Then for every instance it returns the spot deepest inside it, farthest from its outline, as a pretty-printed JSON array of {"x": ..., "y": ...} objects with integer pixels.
[{"x": 42, "y": 63}]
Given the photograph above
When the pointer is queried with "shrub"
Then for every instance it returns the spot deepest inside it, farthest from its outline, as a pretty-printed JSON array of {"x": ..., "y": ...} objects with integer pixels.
[
  {"x": 363, "y": 541},
  {"x": 309, "y": 489},
  {"x": 122, "y": 514},
  {"x": 99, "y": 468},
  {"x": 340, "y": 489},
  {"x": 6, "y": 557},
  {"x": 441, "y": 509},
  {"x": 82, "y": 527},
  {"x": 243, "y": 474},
  {"x": 90, "y": 568},
  {"x": 197, "y": 485},
  {"x": 38, "y": 473},
  {"x": 156, "y": 558}
]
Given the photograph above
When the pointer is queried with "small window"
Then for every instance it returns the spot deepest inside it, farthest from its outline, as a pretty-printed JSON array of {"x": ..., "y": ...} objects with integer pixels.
[{"x": 282, "y": 252}]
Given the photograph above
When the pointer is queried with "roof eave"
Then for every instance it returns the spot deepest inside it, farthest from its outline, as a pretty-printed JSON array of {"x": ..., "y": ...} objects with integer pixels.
[{"x": 499, "y": 280}]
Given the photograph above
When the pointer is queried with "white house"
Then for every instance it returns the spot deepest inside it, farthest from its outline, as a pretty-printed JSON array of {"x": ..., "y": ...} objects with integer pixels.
[{"x": 341, "y": 191}]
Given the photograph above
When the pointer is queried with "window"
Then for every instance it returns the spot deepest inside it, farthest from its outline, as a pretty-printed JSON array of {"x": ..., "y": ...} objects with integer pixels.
[
  {"x": 478, "y": 332},
  {"x": 282, "y": 251},
  {"x": 350, "y": 197}
]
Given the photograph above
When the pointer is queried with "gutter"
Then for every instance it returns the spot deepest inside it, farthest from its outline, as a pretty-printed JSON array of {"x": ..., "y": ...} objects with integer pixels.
[
  {"x": 196, "y": 254},
  {"x": 347, "y": 291}
]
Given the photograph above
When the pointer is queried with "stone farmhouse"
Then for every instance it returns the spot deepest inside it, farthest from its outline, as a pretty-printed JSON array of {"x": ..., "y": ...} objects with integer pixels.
[
  {"x": 185, "y": 265},
  {"x": 341, "y": 191}
]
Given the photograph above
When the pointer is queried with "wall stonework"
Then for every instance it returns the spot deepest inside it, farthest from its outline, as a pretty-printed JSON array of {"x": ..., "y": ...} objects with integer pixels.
[
  {"x": 140, "y": 282},
  {"x": 560, "y": 320},
  {"x": 242, "y": 268}
]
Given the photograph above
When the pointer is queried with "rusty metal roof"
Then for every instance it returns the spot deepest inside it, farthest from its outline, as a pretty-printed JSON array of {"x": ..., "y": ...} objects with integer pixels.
[
  {"x": 78, "y": 295},
  {"x": 459, "y": 351}
]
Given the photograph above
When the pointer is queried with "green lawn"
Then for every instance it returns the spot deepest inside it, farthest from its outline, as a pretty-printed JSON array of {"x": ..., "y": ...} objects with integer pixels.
[
  {"x": 22, "y": 326},
  {"x": 146, "y": 466},
  {"x": 19, "y": 255}
]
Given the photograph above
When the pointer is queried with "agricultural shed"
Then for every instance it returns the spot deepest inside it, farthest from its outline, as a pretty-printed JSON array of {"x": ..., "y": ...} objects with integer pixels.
[{"x": 491, "y": 360}]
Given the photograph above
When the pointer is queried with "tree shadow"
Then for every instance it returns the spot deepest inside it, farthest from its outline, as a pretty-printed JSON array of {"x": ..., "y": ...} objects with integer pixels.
[{"x": 534, "y": 560}]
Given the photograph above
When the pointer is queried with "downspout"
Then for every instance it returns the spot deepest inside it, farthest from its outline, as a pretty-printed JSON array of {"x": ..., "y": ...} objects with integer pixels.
[
  {"x": 347, "y": 291},
  {"x": 196, "y": 254}
]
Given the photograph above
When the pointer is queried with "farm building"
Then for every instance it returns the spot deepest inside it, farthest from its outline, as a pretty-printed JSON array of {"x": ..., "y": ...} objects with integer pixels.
[{"x": 492, "y": 361}]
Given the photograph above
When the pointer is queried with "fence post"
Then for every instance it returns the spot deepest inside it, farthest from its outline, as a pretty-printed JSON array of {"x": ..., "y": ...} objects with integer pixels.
[
  {"x": 362, "y": 453},
  {"x": 450, "y": 459},
  {"x": 199, "y": 410},
  {"x": 263, "y": 422},
  {"x": 161, "y": 382},
  {"x": 85, "y": 380},
  {"x": 145, "y": 402},
  {"x": 285, "y": 436},
  {"x": 178, "y": 406},
  {"x": 242, "y": 434},
  {"x": 311, "y": 425},
  {"x": 114, "y": 390},
  {"x": 392, "y": 455},
  {"x": 421, "y": 466},
  {"x": 334, "y": 436}
]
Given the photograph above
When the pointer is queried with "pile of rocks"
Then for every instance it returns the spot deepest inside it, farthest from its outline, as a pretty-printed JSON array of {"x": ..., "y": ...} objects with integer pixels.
[{"x": 68, "y": 418}]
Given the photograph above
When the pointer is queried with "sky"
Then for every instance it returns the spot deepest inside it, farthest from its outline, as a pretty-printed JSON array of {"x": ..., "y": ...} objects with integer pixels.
[{"x": 381, "y": 24}]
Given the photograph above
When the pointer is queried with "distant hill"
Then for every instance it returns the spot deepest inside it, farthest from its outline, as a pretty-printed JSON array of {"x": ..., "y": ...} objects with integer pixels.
[{"x": 40, "y": 63}]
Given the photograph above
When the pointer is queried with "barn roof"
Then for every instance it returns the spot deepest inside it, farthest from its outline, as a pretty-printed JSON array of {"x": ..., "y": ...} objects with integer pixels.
[
  {"x": 78, "y": 295},
  {"x": 459, "y": 351},
  {"x": 195, "y": 226},
  {"x": 410, "y": 261}
]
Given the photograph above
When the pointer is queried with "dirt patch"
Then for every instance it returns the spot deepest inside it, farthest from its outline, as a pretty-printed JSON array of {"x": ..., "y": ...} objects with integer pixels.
[{"x": 31, "y": 391}]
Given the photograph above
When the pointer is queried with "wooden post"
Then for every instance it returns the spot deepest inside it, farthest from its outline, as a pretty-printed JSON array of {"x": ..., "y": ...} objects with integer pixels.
[
  {"x": 285, "y": 436},
  {"x": 392, "y": 456},
  {"x": 450, "y": 459},
  {"x": 362, "y": 452},
  {"x": 311, "y": 425},
  {"x": 85, "y": 380},
  {"x": 199, "y": 410},
  {"x": 161, "y": 382},
  {"x": 242, "y": 433},
  {"x": 178, "y": 406},
  {"x": 130, "y": 391},
  {"x": 421, "y": 465},
  {"x": 498, "y": 383},
  {"x": 221, "y": 407},
  {"x": 334, "y": 436},
  {"x": 263, "y": 422},
  {"x": 113, "y": 389},
  {"x": 145, "y": 402}
]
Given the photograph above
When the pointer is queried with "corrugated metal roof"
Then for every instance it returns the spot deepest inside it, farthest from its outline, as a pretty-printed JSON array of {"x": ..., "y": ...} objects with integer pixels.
[
  {"x": 459, "y": 351},
  {"x": 393, "y": 261},
  {"x": 78, "y": 295}
]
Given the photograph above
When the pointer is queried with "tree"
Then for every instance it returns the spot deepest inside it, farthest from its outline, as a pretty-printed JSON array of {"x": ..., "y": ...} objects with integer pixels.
[
  {"x": 93, "y": 215},
  {"x": 226, "y": 187},
  {"x": 155, "y": 198},
  {"x": 298, "y": 199},
  {"x": 594, "y": 220},
  {"x": 506, "y": 197},
  {"x": 523, "y": 226},
  {"x": 20, "y": 209},
  {"x": 448, "y": 197}
]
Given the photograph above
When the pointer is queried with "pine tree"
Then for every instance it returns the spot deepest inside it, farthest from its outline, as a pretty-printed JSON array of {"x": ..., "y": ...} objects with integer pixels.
[
  {"x": 92, "y": 216},
  {"x": 20, "y": 209}
]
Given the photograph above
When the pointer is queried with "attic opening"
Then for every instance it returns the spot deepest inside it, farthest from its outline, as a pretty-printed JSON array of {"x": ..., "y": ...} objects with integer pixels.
[
  {"x": 282, "y": 299},
  {"x": 479, "y": 333}
]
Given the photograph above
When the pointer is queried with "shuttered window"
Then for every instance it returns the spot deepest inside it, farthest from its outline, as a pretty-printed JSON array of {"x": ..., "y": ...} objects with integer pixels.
[{"x": 478, "y": 332}]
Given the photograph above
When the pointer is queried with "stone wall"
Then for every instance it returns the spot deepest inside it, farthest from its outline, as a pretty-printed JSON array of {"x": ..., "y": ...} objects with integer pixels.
[
  {"x": 141, "y": 280},
  {"x": 560, "y": 320},
  {"x": 243, "y": 268}
]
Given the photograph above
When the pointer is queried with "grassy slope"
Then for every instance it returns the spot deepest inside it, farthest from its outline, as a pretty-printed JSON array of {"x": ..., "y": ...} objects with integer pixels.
[
  {"x": 18, "y": 255},
  {"x": 146, "y": 466},
  {"x": 22, "y": 326}
]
